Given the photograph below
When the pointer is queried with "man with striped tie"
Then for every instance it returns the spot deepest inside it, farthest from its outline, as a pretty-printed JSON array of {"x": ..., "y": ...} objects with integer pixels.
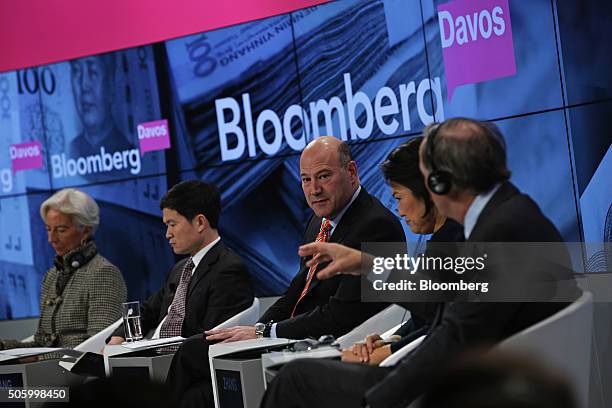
[
  {"x": 208, "y": 286},
  {"x": 344, "y": 213}
]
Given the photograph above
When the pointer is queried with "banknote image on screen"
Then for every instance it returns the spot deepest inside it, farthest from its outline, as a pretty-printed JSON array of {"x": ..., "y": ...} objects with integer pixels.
[
  {"x": 21, "y": 122},
  {"x": 80, "y": 117},
  {"x": 96, "y": 106},
  {"x": 231, "y": 85},
  {"x": 363, "y": 69}
]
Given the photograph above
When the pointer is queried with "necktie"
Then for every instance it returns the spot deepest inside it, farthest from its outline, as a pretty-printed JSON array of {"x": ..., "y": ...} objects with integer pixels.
[
  {"x": 174, "y": 321},
  {"x": 323, "y": 236}
]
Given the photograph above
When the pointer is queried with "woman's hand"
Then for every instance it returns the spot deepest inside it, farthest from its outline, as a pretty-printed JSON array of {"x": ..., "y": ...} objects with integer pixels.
[{"x": 371, "y": 351}]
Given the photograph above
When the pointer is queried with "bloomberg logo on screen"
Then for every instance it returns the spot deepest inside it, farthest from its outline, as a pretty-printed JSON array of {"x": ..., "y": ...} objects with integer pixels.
[
  {"x": 476, "y": 41},
  {"x": 388, "y": 111}
]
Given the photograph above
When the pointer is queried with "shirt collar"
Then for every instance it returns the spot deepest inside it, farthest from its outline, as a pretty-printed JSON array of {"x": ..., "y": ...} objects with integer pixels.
[
  {"x": 473, "y": 212},
  {"x": 202, "y": 252},
  {"x": 334, "y": 221}
]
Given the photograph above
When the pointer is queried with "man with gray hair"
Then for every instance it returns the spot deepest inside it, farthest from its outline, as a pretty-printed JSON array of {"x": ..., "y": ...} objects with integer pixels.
[{"x": 82, "y": 293}]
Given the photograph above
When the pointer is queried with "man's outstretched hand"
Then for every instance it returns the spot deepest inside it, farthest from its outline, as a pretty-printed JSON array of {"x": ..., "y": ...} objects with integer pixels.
[{"x": 342, "y": 259}]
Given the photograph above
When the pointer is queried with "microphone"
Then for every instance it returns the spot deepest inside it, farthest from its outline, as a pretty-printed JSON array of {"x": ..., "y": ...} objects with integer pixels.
[{"x": 77, "y": 261}]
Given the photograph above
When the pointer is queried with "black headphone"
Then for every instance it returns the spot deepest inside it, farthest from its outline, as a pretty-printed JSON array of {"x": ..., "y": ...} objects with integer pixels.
[{"x": 438, "y": 181}]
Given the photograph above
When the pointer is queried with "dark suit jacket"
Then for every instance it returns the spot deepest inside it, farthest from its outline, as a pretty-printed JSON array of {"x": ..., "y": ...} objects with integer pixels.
[
  {"x": 508, "y": 217},
  {"x": 333, "y": 306},
  {"x": 422, "y": 314},
  {"x": 219, "y": 288}
]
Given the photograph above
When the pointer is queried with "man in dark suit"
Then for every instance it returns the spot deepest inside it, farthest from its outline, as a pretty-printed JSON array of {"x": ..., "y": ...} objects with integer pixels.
[
  {"x": 207, "y": 287},
  {"x": 464, "y": 164},
  {"x": 343, "y": 212}
]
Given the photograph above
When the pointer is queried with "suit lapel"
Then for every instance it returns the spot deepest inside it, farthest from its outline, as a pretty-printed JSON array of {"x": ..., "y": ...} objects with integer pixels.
[
  {"x": 343, "y": 228},
  {"x": 204, "y": 266},
  {"x": 349, "y": 218},
  {"x": 505, "y": 191}
]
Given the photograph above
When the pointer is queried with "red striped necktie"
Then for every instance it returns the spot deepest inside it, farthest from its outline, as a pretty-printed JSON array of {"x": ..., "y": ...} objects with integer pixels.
[{"x": 323, "y": 236}]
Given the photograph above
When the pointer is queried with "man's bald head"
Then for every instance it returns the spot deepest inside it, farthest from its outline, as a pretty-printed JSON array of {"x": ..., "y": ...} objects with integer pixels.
[
  {"x": 472, "y": 151},
  {"x": 330, "y": 144},
  {"x": 329, "y": 175}
]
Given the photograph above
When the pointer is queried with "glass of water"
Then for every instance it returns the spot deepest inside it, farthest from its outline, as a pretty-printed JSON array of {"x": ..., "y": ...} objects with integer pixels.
[{"x": 131, "y": 321}]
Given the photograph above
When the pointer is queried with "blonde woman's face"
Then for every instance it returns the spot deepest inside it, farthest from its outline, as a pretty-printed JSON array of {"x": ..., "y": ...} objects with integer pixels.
[{"x": 63, "y": 233}]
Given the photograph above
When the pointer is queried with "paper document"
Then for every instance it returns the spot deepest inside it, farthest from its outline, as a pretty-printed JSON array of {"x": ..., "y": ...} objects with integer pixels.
[
  {"x": 17, "y": 353},
  {"x": 67, "y": 365},
  {"x": 29, "y": 351},
  {"x": 152, "y": 343}
]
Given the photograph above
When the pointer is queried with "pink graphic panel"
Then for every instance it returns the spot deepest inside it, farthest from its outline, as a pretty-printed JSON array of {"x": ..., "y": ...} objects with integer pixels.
[
  {"x": 153, "y": 136},
  {"x": 26, "y": 156},
  {"x": 476, "y": 37}
]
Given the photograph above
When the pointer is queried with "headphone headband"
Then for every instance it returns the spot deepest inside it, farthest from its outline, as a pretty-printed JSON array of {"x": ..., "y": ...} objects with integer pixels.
[{"x": 438, "y": 181}]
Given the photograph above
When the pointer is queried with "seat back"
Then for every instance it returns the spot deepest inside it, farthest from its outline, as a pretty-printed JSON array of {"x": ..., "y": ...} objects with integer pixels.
[
  {"x": 245, "y": 318},
  {"x": 96, "y": 342},
  {"x": 563, "y": 343},
  {"x": 379, "y": 323},
  {"x": 395, "y": 358},
  {"x": 385, "y": 335}
]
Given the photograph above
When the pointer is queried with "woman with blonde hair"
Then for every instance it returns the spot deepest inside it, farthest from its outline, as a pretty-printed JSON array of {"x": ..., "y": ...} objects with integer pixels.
[{"x": 82, "y": 293}]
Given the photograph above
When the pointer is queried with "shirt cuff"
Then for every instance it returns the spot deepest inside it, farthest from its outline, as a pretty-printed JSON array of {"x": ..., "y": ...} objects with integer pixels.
[{"x": 273, "y": 331}]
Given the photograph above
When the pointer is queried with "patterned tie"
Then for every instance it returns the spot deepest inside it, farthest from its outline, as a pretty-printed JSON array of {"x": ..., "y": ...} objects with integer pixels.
[
  {"x": 323, "y": 236},
  {"x": 174, "y": 320}
]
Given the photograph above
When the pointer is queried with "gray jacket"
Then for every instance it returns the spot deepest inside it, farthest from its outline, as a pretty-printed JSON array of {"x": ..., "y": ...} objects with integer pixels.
[{"x": 90, "y": 302}]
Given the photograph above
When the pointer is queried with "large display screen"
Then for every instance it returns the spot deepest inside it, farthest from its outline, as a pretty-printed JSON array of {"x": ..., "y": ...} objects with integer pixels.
[{"x": 236, "y": 106}]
